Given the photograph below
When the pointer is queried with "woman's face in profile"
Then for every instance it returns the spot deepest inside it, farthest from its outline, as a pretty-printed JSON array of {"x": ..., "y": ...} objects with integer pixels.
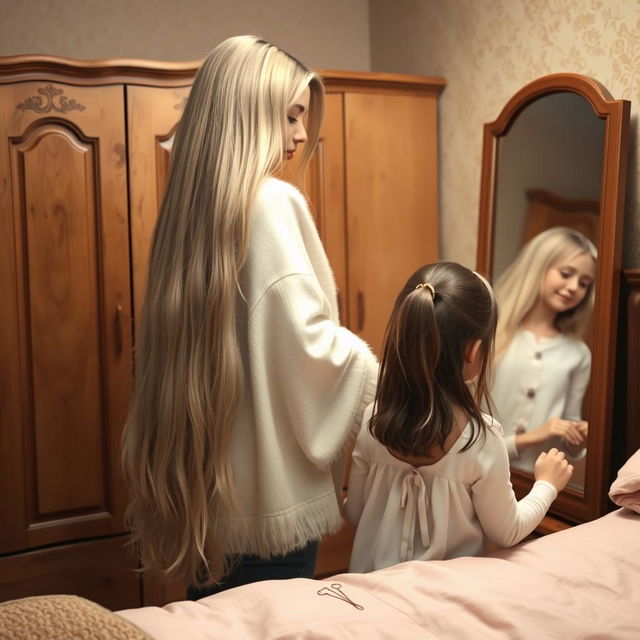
[{"x": 296, "y": 114}]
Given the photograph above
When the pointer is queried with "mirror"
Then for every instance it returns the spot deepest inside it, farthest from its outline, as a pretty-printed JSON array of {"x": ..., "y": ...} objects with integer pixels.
[{"x": 556, "y": 157}]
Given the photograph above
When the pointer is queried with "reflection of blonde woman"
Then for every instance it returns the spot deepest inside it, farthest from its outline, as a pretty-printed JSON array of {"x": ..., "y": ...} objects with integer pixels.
[
  {"x": 247, "y": 389},
  {"x": 545, "y": 299}
]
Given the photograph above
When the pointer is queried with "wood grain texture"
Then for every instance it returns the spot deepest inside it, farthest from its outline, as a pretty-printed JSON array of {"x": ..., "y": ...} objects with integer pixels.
[
  {"x": 392, "y": 201},
  {"x": 152, "y": 117},
  {"x": 103, "y": 571},
  {"x": 66, "y": 207}
]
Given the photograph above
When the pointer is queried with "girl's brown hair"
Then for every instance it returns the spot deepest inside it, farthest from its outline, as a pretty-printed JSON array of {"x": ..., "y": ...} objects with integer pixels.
[{"x": 421, "y": 373}]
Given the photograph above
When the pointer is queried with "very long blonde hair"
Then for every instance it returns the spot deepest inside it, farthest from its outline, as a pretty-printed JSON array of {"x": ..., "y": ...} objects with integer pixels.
[{"x": 176, "y": 442}]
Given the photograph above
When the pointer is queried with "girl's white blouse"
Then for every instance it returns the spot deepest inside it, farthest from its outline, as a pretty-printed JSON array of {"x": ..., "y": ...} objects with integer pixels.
[
  {"x": 538, "y": 379},
  {"x": 445, "y": 510}
]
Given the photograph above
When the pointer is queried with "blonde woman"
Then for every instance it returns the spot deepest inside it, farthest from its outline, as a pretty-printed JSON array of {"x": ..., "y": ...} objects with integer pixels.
[
  {"x": 247, "y": 389},
  {"x": 543, "y": 367}
]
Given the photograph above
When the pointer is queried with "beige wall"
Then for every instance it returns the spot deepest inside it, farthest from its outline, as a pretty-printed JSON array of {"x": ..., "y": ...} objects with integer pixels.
[
  {"x": 332, "y": 34},
  {"x": 487, "y": 50}
]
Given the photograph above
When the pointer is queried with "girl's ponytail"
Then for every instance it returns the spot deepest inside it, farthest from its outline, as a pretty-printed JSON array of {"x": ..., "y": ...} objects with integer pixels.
[{"x": 440, "y": 310}]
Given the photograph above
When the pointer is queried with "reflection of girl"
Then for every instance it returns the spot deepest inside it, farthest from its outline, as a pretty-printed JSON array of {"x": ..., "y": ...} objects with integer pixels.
[
  {"x": 430, "y": 473},
  {"x": 247, "y": 389},
  {"x": 545, "y": 299}
]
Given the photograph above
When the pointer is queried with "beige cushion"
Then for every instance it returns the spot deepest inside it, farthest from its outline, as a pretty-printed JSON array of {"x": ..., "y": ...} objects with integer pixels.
[{"x": 63, "y": 617}]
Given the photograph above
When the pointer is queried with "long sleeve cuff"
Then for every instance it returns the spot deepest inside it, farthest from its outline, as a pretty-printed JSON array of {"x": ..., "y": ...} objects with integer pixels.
[{"x": 545, "y": 491}]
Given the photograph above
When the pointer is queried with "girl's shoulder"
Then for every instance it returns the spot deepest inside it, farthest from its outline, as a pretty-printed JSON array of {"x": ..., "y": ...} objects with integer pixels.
[
  {"x": 492, "y": 424},
  {"x": 490, "y": 446},
  {"x": 369, "y": 447},
  {"x": 364, "y": 438},
  {"x": 491, "y": 433}
]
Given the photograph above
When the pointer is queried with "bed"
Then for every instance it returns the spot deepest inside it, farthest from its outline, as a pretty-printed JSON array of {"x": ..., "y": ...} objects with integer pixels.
[{"x": 582, "y": 582}]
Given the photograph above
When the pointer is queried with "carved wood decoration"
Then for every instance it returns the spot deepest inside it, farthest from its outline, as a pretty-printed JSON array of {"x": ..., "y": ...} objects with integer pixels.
[
  {"x": 572, "y": 505},
  {"x": 64, "y": 104}
]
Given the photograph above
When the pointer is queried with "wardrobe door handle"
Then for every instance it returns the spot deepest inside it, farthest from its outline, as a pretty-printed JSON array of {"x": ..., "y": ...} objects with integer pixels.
[
  {"x": 119, "y": 335},
  {"x": 360, "y": 310}
]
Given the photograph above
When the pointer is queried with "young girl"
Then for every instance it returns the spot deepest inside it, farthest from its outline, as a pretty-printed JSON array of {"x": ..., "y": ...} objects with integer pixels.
[
  {"x": 247, "y": 389},
  {"x": 430, "y": 474},
  {"x": 545, "y": 299}
]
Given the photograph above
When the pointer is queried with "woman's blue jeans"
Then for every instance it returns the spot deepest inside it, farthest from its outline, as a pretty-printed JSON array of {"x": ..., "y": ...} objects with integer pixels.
[{"x": 300, "y": 563}]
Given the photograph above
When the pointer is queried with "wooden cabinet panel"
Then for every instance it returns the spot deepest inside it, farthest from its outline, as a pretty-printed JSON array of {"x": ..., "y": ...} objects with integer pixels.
[
  {"x": 100, "y": 570},
  {"x": 152, "y": 114},
  {"x": 392, "y": 201},
  {"x": 60, "y": 234},
  {"x": 334, "y": 553},
  {"x": 66, "y": 331}
]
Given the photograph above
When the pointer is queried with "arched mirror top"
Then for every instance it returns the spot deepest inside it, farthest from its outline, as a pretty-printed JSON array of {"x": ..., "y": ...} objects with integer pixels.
[
  {"x": 601, "y": 100},
  {"x": 614, "y": 113}
]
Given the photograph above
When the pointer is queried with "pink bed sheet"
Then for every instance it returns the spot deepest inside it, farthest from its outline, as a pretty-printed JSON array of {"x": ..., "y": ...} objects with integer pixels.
[{"x": 580, "y": 583}]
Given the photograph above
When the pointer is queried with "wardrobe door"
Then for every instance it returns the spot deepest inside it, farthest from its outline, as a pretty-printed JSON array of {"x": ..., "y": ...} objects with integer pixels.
[
  {"x": 152, "y": 116},
  {"x": 65, "y": 334},
  {"x": 392, "y": 201}
]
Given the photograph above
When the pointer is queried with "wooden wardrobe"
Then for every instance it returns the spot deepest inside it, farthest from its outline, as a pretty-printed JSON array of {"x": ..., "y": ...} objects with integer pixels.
[{"x": 83, "y": 163}]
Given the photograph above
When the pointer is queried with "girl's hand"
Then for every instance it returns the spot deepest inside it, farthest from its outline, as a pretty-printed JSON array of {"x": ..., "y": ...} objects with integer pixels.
[
  {"x": 553, "y": 467},
  {"x": 583, "y": 427},
  {"x": 572, "y": 432}
]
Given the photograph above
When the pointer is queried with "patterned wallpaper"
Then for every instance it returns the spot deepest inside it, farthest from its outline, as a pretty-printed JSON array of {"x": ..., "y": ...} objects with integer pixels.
[{"x": 487, "y": 50}]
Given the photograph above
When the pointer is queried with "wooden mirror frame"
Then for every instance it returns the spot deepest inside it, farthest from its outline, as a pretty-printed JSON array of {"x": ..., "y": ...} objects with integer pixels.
[{"x": 571, "y": 505}]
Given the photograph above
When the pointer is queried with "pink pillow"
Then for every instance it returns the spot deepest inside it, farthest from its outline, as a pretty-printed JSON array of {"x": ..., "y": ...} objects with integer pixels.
[{"x": 625, "y": 490}]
